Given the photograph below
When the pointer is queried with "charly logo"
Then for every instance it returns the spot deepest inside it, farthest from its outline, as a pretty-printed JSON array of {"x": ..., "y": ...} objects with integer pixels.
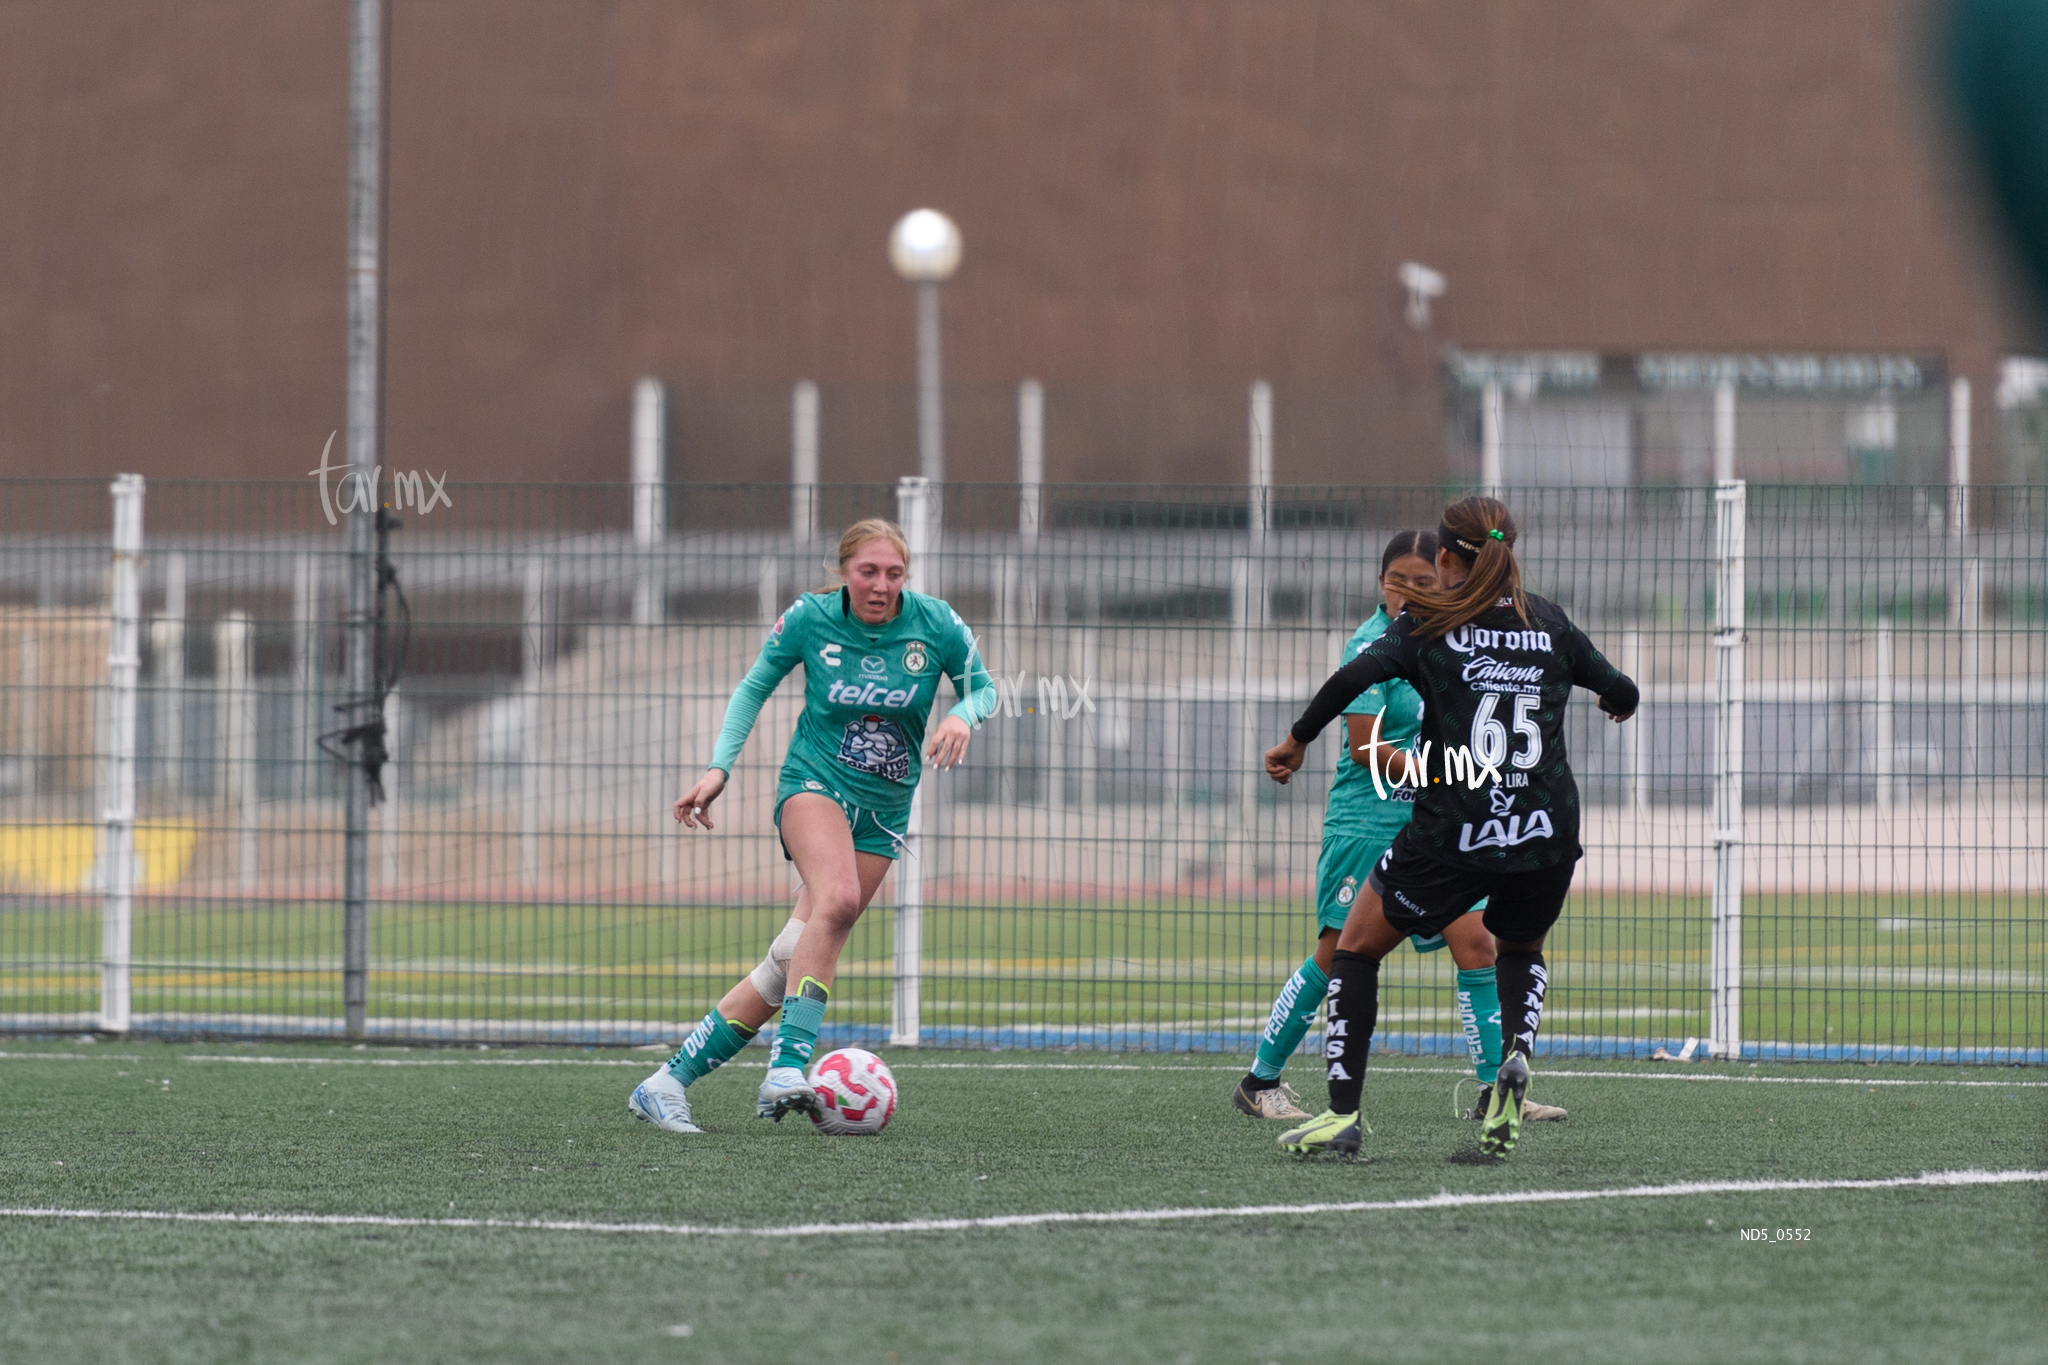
[
  {"x": 358, "y": 493},
  {"x": 914, "y": 657}
]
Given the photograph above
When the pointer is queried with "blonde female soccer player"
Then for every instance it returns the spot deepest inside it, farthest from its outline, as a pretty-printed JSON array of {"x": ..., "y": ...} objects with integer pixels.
[{"x": 872, "y": 652}]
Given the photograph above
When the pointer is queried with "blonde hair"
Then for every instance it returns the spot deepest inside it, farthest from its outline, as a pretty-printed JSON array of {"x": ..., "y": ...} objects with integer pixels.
[{"x": 859, "y": 534}]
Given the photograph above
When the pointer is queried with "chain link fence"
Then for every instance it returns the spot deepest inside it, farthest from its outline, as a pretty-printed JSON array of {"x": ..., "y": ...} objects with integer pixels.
[{"x": 1109, "y": 869}]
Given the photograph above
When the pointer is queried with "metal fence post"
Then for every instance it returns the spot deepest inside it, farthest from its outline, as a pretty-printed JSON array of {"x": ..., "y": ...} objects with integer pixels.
[
  {"x": 532, "y": 640},
  {"x": 650, "y": 497},
  {"x": 914, "y": 514},
  {"x": 1884, "y": 735},
  {"x": 234, "y": 667},
  {"x": 169, "y": 638},
  {"x": 1030, "y": 460},
  {"x": 124, "y": 664},
  {"x": 391, "y": 822},
  {"x": 803, "y": 462},
  {"x": 1959, "y": 457},
  {"x": 1492, "y": 417},
  {"x": 1259, "y": 475},
  {"x": 305, "y": 671},
  {"x": 369, "y": 39},
  {"x": 1724, "y": 954},
  {"x": 1724, "y": 432}
]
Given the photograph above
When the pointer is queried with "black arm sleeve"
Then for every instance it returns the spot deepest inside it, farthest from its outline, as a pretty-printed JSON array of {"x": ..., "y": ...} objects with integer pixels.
[
  {"x": 1619, "y": 696},
  {"x": 1339, "y": 692}
]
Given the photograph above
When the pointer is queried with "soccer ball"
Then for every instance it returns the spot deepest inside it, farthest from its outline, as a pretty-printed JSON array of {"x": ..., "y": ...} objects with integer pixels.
[{"x": 856, "y": 1093}]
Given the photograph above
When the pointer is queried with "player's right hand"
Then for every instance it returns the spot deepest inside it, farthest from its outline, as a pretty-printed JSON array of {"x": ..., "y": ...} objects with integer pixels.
[
  {"x": 693, "y": 807},
  {"x": 1284, "y": 758}
]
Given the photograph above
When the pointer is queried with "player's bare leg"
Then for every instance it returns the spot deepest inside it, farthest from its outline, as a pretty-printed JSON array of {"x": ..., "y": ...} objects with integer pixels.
[{"x": 840, "y": 881}]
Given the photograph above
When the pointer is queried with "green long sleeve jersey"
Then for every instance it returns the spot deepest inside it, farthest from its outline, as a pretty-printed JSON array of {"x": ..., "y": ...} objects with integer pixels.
[
  {"x": 1358, "y": 807},
  {"x": 868, "y": 692}
]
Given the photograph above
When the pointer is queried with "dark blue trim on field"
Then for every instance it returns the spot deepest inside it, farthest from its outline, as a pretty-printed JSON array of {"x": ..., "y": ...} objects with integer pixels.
[
  {"x": 1056, "y": 1038},
  {"x": 1044, "y": 1039}
]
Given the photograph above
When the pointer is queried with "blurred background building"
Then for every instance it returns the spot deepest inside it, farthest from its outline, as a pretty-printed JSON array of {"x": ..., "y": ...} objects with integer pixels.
[{"x": 1161, "y": 203}]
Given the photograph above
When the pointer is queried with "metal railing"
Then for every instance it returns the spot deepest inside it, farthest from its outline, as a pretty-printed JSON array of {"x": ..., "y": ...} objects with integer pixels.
[{"x": 1823, "y": 835}]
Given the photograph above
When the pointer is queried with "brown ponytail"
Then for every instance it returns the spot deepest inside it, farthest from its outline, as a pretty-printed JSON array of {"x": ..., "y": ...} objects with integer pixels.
[{"x": 1482, "y": 532}]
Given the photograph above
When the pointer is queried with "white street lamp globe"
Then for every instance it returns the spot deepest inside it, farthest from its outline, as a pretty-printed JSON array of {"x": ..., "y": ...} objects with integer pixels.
[{"x": 924, "y": 246}]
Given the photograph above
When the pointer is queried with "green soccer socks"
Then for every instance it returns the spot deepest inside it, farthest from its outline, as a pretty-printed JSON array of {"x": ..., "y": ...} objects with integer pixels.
[
  {"x": 1293, "y": 1011},
  {"x": 803, "y": 1014},
  {"x": 1479, "y": 1012},
  {"x": 715, "y": 1041}
]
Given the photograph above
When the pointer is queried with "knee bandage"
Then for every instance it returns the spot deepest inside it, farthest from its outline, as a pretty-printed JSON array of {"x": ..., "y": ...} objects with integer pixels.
[{"x": 771, "y": 978}]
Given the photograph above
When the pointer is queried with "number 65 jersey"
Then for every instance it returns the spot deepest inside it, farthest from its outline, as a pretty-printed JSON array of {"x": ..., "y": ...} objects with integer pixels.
[{"x": 1494, "y": 786}]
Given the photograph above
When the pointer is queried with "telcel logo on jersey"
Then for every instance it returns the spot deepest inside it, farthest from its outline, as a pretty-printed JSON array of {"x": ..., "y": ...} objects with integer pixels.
[{"x": 869, "y": 694}]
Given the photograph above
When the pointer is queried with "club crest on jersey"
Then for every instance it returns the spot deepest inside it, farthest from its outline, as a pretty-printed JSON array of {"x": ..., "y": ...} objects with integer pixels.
[
  {"x": 1347, "y": 892},
  {"x": 914, "y": 657},
  {"x": 874, "y": 745},
  {"x": 1499, "y": 834}
]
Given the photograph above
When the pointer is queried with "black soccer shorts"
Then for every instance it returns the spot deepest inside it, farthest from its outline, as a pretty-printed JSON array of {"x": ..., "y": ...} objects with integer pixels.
[{"x": 1422, "y": 896}]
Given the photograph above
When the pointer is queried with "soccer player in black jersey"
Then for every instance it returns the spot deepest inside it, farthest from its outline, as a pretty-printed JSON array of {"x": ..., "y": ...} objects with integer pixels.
[{"x": 1496, "y": 809}]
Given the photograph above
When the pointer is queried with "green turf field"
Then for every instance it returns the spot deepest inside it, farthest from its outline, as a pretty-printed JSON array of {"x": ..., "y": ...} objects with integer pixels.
[
  {"x": 1912, "y": 1273},
  {"x": 1953, "y": 971}
]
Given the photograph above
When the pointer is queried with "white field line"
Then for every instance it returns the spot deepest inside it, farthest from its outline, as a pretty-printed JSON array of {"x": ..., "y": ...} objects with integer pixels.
[
  {"x": 1169, "y": 1069},
  {"x": 1444, "y": 1200}
]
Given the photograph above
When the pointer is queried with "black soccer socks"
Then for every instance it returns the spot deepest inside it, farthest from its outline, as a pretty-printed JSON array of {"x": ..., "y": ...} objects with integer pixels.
[
  {"x": 1522, "y": 980},
  {"x": 1354, "y": 996}
]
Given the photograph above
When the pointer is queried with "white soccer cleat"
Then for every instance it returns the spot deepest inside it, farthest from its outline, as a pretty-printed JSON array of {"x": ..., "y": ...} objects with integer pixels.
[
  {"x": 662, "y": 1101},
  {"x": 785, "y": 1091}
]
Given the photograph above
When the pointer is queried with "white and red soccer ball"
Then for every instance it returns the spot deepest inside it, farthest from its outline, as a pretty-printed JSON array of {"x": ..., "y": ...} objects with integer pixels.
[{"x": 856, "y": 1093}]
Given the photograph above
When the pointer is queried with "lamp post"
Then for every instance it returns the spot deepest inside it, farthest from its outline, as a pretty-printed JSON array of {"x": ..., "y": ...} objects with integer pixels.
[{"x": 924, "y": 247}]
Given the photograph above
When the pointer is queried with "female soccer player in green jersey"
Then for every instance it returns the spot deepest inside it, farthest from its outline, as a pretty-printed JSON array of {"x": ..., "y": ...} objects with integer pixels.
[
  {"x": 872, "y": 652},
  {"x": 1370, "y": 800}
]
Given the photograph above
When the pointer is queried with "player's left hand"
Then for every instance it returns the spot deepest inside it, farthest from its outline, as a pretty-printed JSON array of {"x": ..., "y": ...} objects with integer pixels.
[
  {"x": 1284, "y": 759},
  {"x": 1612, "y": 715},
  {"x": 949, "y": 742}
]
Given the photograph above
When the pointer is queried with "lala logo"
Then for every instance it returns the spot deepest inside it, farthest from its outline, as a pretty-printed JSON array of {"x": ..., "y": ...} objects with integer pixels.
[{"x": 1498, "y": 834}]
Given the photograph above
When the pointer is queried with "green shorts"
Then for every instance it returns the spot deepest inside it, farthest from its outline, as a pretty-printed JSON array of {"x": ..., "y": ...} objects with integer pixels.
[
  {"x": 874, "y": 831},
  {"x": 1346, "y": 862}
]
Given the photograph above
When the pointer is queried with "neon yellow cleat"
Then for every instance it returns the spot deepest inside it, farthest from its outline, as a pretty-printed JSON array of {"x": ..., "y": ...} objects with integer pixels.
[
  {"x": 1502, "y": 1125},
  {"x": 1328, "y": 1132}
]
